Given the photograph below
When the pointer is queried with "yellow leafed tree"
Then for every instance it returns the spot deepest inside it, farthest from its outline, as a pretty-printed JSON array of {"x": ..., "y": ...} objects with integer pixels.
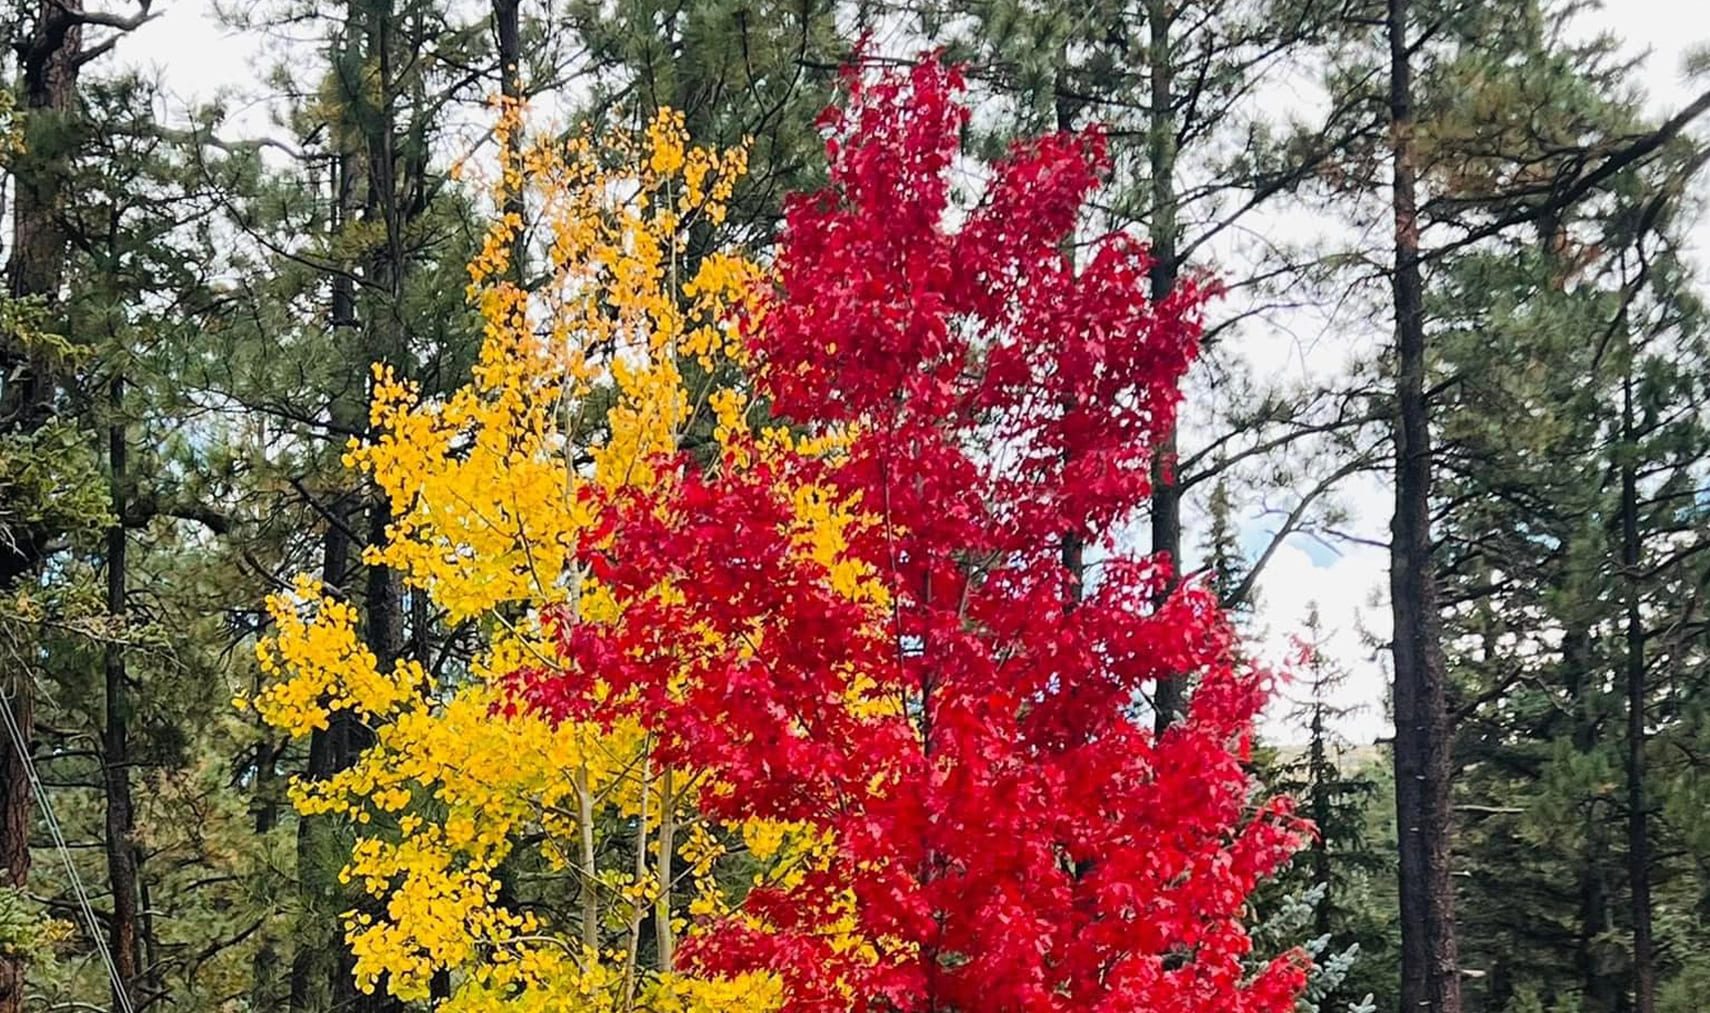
[{"x": 545, "y": 867}]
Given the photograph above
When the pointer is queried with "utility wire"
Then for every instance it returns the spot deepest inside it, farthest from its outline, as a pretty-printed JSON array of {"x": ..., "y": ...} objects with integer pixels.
[{"x": 16, "y": 734}]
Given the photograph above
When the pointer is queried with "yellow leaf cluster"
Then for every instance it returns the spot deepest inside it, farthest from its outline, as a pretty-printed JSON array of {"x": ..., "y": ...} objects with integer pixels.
[
  {"x": 580, "y": 387},
  {"x": 329, "y": 668},
  {"x": 578, "y": 380}
]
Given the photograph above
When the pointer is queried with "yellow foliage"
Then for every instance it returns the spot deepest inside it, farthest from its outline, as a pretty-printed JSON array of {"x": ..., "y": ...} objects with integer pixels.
[
  {"x": 578, "y": 387},
  {"x": 329, "y": 668}
]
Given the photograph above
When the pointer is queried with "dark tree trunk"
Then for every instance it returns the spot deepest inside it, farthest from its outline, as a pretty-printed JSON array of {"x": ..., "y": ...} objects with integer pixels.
[
  {"x": 315, "y": 957},
  {"x": 50, "y": 59},
  {"x": 394, "y": 165},
  {"x": 263, "y": 966},
  {"x": 314, "y": 961},
  {"x": 115, "y": 744},
  {"x": 18, "y": 802},
  {"x": 384, "y": 631},
  {"x": 507, "y": 32},
  {"x": 1430, "y": 977},
  {"x": 1638, "y": 829},
  {"x": 1073, "y": 546},
  {"x": 1170, "y": 694},
  {"x": 1601, "y": 990}
]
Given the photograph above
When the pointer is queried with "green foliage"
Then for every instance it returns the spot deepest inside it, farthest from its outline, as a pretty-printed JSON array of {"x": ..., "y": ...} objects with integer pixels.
[
  {"x": 50, "y": 480},
  {"x": 739, "y": 71},
  {"x": 25, "y": 929},
  {"x": 239, "y": 289},
  {"x": 1339, "y": 892}
]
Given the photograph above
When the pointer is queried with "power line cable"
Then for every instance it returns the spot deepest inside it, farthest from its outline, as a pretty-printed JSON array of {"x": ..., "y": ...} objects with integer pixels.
[{"x": 15, "y": 732}]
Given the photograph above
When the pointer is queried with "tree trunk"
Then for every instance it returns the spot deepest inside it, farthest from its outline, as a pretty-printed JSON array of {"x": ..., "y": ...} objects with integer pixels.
[
  {"x": 314, "y": 961},
  {"x": 508, "y": 34},
  {"x": 1170, "y": 694},
  {"x": 1638, "y": 830},
  {"x": 50, "y": 58},
  {"x": 393, "y": 167},
  {"x": 49, "y": 64},
  {"x": 266, "y": 814},
  {"x": 1430, "y": 977},
  {"x": 1073, "y": 546},
  {"x": 115, "y": 752},
  {"x": 1601, "y": 991},
  {"x": 383, "y": 633},
  {"x": 666, "y": 937},
  {"x": 384, "y": 597},
  {"x": 16, "y": 807}
]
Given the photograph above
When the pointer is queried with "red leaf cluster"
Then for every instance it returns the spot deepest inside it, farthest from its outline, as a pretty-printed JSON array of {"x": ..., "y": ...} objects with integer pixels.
[{"x": 1010, "y": 834}]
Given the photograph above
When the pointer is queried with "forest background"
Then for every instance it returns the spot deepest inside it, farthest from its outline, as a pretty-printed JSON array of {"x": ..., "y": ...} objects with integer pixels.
[{"x": 220, "y": 217}]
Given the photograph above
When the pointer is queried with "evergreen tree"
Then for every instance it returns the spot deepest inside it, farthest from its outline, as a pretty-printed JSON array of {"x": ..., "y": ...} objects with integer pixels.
[
  {"x": 192, "y": 316},
  {"x": 1195, "y": 159},
  {"x": 740, "y": 73},
  {"x": 1341, "y": 866}
]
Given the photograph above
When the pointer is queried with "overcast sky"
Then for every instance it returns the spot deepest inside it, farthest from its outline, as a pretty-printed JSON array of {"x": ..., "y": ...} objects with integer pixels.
[
  {"x": 196, "y": 58},
  {"x": 1350, "y": 584}
]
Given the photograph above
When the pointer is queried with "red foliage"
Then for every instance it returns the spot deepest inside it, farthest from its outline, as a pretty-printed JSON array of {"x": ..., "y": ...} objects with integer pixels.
[{"x": 1013, "y": 823}]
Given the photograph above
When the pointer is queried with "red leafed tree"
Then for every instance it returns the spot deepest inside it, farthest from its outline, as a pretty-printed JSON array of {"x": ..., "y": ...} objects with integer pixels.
[{"x": 1006, "y": 834}]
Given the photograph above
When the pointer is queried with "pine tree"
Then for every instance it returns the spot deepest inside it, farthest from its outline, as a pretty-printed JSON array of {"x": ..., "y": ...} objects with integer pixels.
[
  {"x": 1507, "y": 129},
  {"x": 50, "y": 427},
  {"x": 1342, "y": 861},
  {"x": 1193, "y": 161},
  {"x": 748, "y": 73}
]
